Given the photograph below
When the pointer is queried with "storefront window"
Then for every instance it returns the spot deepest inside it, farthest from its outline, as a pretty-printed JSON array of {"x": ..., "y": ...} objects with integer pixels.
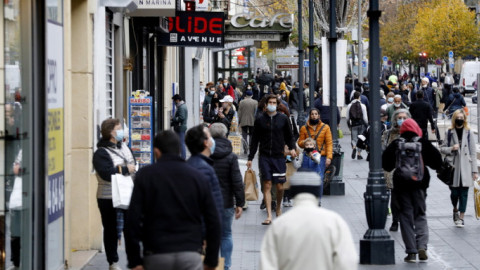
[{"x": 16, "y": 178}]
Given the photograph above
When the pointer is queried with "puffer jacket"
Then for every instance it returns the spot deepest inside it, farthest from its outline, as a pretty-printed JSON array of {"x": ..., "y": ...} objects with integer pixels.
[
  {"x": 324, "y": 139},
  {"x": 205, "y": 166},
  {"x": 228, "y": 173}
]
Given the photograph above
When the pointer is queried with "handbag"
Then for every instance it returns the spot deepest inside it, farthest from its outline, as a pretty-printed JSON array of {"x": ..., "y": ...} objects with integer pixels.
[
  {"x": 445, "y": 173},
  {"x": 122, "y": 187},
  {"x": 476, "y": 197},
  {"x": 250, "y": 179},
  {"x": 16, "y": 195}
]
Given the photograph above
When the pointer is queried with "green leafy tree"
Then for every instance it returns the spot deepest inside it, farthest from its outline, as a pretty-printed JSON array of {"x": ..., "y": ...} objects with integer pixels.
[{"x": 443, "y": 26}]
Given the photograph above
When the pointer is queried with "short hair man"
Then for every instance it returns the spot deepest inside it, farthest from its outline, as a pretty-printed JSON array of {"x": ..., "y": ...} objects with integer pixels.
[
  {"x": 422, "y": 112},
  {"x": 324, "y": 232},
  {"x": 246, "y": 118},
  {"x": 169, "y": 202},
  {"x": 357, "y": 120},
  {"x": 201, "y": 145},
  {"x": 272, "y": 132},
  {"x": 179, "y": 121}
]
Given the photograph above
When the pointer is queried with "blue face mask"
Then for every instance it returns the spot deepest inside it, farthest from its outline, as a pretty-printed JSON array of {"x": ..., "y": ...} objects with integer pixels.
[
  {"x": 119, "y": 136},
  {"x": 271, "y": 108},
  {"x": 390, "y": 100},
  {"x": 212, "y": 148},
  {"x": 225, "y": 84},
  {"x": 400, "y": 122},
  {"x": 212, "y": 93}
]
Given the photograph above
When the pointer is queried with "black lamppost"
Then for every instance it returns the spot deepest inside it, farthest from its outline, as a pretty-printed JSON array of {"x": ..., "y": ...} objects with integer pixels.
[
  {"x": 311, "y": 53},
  {"x": 376, "y": 247},
  {"x": 337, "y": 186},
  {"x": 300, "y": 64}
]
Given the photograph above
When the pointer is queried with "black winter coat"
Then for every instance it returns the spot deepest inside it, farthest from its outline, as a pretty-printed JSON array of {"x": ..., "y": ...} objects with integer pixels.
[
  {"x": 228, "y": 173},
  {"x": 431, "y": 158},
  {"x": 422, "y": 113}
]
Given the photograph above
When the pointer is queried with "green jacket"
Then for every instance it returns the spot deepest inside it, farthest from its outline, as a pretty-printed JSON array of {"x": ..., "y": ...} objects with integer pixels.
[{"x": 179, "y": 122}]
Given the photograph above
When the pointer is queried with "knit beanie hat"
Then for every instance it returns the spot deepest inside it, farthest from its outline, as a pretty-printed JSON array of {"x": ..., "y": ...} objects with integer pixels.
[
  {"x": 412, "y": 126},
  {"x": 305, "y": 181},
  {"x": 249, "y": 93}
]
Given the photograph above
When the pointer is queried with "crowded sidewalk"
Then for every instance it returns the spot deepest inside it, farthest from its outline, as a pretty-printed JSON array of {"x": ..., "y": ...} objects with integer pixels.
[{"x": 449, "y": 247}]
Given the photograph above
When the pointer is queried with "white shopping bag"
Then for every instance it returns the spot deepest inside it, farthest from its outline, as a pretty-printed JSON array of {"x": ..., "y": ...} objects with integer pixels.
[
  {"x": 122, "y": 187},
  {"x": 16, "y": 195}
]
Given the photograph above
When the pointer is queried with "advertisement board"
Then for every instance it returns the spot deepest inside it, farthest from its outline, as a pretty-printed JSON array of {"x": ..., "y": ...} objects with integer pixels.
[{"x": 195, "y": 29}]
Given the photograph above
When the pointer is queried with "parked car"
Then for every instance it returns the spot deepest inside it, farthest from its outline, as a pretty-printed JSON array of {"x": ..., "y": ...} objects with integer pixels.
[{"x": 468, "y": 76}]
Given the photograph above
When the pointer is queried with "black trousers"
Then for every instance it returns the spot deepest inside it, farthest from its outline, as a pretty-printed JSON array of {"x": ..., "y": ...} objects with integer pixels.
[{"x": 110, "y": 235}]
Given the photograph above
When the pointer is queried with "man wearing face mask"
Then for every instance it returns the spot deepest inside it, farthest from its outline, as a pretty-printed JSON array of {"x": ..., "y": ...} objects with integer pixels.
[
  {"x": 179, "y": 121},
  {"x": 397, "y": 104},
  {"x": 209, "y": 92},
  {"x": 272, "y": 132},
  {"x": 149, "y": 220},
  {"x": 422, "y": 114},
  {"x": 201, "y": 145}
]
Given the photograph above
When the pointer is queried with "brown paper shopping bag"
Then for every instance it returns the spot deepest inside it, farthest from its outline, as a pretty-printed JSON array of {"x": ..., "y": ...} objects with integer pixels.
[{"x": 250, "y": 180}]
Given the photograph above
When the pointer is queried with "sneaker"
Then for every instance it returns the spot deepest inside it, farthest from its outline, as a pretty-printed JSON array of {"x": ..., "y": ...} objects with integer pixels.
[
  {"x": 114, "y": 266},
  {"x": 262, "y": 205},
  {"x": 394, "y": 227},
  {"x": 389, "y": 213},
  {"x": 359, "y": 157},
  {"x": 354, "y": 153},
  {"x": 455, "y": 216},
  {"x": 422, "y": 255},
  {"x": 411, "y": 258},
  {"x": 245, "y": 206},
  {"x": 460, "y": 223},
  {"x": 285, "y": 202}
]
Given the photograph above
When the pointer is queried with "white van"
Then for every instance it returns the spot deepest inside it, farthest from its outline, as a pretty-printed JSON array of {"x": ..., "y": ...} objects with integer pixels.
[{"x": 468, "y": 76}]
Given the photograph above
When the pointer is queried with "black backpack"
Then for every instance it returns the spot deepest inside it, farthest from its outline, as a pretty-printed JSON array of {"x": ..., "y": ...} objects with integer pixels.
[
  {"x": 356, "y": 114},
  {"x": 409, "y": 164}
]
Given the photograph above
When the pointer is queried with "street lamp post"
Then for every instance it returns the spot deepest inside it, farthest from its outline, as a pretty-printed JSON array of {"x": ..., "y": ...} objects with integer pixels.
[
  {"x": 360, "y": 45},
  {"x": 311, "y": 49},
  {"x": 337, "y": 186},
  {"x": 376, "y": 247},
  {"x": 300, "y": 63}
]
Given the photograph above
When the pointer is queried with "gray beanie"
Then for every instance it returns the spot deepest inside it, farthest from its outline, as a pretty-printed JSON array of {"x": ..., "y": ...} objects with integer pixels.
[{"x": 305, "y": 181}]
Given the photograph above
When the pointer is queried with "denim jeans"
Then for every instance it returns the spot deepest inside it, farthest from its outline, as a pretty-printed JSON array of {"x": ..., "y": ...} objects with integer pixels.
[
  {"x": 183, "y": 151},
  {"x": 226, "y": 246},
  {"x": 323, "y": 160}
]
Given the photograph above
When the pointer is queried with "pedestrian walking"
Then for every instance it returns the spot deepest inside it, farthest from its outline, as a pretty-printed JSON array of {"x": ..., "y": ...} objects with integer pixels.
[
  {"x": 112, "y": 157},
  {"x": 409, "y": 155},
  {"x": 307, "y": 236},
  {"x": 211, "y": 110},
  {"x": 357, "y": 120},
  {"x": 226, "y": 112},
  {"x": 322, "y": 136},
  {"x": 201, "y": 145},
  {"x": 422, "y": 113},
  {"x": 209, "y": 93},
  {"x": 179, "y": 122},
  {"x": 231, "y": 184},
  {"x": 271, "y": 133},
  {"x": 459, "y": 148},
  {"x": 397, "y": 104},
  {"x": 294, "y": 101},
  {"x": 171, "y": 207},
  {"x": 246, "y": 118},
  {"x": 390, "y": 135},
  {"x": 455, "y": 102}
]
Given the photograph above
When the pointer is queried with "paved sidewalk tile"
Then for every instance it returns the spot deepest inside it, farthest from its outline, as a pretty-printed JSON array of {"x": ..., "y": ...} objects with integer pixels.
[{"x": 449, "y": 247}]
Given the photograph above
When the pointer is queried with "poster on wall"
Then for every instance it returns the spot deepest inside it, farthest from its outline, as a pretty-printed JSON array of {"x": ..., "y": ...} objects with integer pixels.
[
  {"x": 195, "y": 29},
  {"x": 341, "y": 46}
]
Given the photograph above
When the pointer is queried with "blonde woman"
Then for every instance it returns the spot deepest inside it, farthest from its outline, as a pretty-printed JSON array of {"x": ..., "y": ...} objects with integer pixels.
[{"x": 459, "y": 148}]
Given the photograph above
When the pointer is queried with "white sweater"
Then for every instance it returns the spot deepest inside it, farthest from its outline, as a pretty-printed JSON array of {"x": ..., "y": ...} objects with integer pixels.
[{"x": 308, "y": 237}]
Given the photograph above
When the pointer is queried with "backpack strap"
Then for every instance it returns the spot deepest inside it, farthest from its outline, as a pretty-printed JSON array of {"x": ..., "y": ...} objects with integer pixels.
[{"x": 316, "y": 136}]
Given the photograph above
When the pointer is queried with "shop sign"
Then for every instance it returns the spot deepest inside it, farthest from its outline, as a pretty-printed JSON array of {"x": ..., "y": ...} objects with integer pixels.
[
  {"x": 244, "y": 19},
  {"x": 287, "y": 66},
  {"x": 154, "y": 8},
  {"x": 253, "y": 36},
  {"x": 195, "y": 29},
  {"x": 287, "y": 60}
]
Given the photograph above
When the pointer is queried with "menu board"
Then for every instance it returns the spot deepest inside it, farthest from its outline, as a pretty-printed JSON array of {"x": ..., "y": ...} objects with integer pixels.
[{"x": 140, "y": 129}]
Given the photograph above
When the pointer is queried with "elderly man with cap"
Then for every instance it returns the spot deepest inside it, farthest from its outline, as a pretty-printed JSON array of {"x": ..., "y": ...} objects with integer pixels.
[
  {"x": 307, "y": 236},
  {"x": 246, "y": 118},
  {"x": 179, "y": 121},
  {"x": 226, "y": 112}
]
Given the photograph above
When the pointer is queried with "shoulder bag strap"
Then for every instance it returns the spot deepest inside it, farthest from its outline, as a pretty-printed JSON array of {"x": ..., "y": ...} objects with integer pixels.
[
  {"x": 318, "y": 134},
  {"x": 117, "y": 154}
]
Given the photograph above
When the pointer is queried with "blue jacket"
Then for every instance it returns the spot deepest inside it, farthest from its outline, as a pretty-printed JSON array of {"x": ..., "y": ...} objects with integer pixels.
[
  {"x": 308, "y": 163},
  {"x": 455, "y": 102},
  {"x": 205, "y": 166}
]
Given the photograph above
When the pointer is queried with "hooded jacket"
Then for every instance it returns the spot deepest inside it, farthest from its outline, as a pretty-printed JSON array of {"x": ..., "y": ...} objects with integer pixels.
[
  {"x": 430, "y": 155},
  {"x": 455, "y": 102},
  {"x": 228, "y": 173}
]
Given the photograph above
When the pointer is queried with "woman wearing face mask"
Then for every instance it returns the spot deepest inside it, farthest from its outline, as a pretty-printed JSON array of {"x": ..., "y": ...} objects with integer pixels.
[
  {"x": 112, "y": 157},
  {"x": 399, "y": 116},
  {"x": 459, "y": 148},
  {"x": 322, "y": 135},
  {"x": 226, "y": 112},
  {"x": 211, "y": 110}
]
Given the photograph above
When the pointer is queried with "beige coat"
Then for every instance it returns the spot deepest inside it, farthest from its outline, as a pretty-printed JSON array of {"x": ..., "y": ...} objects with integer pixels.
[
  {"x": 464, "y": 161},
  {"x": 246, "y": 112}
]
